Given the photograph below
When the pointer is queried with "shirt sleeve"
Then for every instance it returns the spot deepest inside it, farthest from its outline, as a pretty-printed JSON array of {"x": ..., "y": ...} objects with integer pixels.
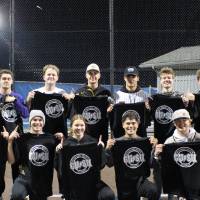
[{"x": 21, "y": 106}]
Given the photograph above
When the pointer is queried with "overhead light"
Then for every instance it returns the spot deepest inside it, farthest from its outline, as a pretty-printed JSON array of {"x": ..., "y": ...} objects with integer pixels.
[{"x": 39, "y": 7}]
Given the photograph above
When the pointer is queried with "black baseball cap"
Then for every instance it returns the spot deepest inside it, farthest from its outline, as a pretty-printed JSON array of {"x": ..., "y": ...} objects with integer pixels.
[{"x": 131, "y": 71}]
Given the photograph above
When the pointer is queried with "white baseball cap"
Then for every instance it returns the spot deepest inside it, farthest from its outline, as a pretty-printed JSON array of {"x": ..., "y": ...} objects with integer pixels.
[
  {"x": 180, "y": 114},
  {"x": 92, "y": 66}
]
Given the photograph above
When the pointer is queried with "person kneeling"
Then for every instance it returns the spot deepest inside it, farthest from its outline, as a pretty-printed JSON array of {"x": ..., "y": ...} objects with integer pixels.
[{"x": 130, "y": 156}]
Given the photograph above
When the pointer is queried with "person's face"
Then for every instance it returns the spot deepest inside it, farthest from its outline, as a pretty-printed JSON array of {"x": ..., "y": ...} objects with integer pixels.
[
  {"x": 50, "y": 76},
  {"x": 78, "y": 128},
  {"x": 131, "y": 80},
  {"x": 93, "y": 76},
  {"x": 37, "y": 125},
  {"x": 198, "y": 80},
  {"x": 6, "y": 81},
  {"x": 183, "y": 125},
  {"x": 130, "y": 127},
  {"x": 166, "y": 80}
]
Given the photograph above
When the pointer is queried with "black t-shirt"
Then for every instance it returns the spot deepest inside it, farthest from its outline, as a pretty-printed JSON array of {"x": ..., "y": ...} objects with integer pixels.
[
  {"x": 120, "y": 109},
  {"x": 94, "y": 110},
  {"x": 9, "y": 118},
  {"x": 131, "y": 161},
  {"x": 80, "y": 168},
  {"x": 180, "y": 164},
  {"x": 36, "y": 155},
  {"x": 162, "y": 108},
  {"x": 54, "y": 106}
]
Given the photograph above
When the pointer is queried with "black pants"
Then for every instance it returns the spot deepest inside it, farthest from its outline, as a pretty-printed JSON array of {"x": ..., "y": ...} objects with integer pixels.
[
  {"x": 158, "y": 180},
  {"x": 22, "y": 188},
  {"x": 56, "y": 167},
  {"x": 104, "y": 192},
  {"x": 15, "y": 173},
  {"x": 2, "y": 174},
  {"x": 133, "y": 191}
]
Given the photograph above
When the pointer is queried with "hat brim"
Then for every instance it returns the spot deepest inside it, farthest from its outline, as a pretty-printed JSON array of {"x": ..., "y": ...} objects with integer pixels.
[
  {"x": 131, "y": 74},
  {"x": 93, "y": 70},
  {"x": 180, "y": 118}
]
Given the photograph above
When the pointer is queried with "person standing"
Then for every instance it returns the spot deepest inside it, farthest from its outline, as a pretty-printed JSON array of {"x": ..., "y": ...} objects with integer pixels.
[
  {"x": 98, "y": 103},
  {"x": 164, "y": 103},
  {"x": 195, "y": 105},
  {"x": 162, "y": 106},
  {"x": 131, "y": 95},
  {"x": 50, "y": 76},
  {"x": 93, "y": 87},
  {"x": 131, "y": 92},
  {"x": 12, "y": 110}
]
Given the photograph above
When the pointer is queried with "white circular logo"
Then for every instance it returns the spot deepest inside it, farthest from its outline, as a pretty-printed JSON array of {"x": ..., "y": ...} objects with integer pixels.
[
  {"x": 8, "y": 112},
  {"x": 54, "y": 108},
  {"x": 92, "y": 114},
  {"x": 133, "y": 157},
  {"x": 185, "y": 157},
  {"x": 80, "y": 163},
  {"x": 39, "y": 155},
  {"x": 134, "y": 111},
  {"x": 163, "y": 114}
]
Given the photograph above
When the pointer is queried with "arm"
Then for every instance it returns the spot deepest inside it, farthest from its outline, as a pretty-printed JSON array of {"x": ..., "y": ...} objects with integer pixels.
[
  {"x": 108, "y": 152},
  {"x": 21, "y": 106},
  {"x": 19, "y": 103},
  {"x": 109, "y": 158},
  {"x": 155, "y": 157},
  {"x": 29, "y": 98},
  {"x": 11, "y": 156}
]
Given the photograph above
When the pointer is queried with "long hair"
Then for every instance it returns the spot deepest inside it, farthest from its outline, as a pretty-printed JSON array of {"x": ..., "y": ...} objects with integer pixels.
[{"x": 74, "y": 118}]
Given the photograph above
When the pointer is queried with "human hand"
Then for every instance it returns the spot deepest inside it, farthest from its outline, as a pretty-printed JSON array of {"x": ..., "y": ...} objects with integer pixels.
[
  {"x": 100, "y": 142},
  {"x": 14, "y": 134},
  {"x": 111, "y": 141},
  {"x": 5, "y": 133}
]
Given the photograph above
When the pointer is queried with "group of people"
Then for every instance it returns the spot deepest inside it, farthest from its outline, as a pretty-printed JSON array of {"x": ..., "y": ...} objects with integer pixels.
[{"x": 78, "y": 155}]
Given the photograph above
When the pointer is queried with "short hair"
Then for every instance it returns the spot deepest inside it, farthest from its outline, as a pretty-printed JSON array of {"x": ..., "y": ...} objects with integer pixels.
[
  {"x": 50, "y": 66},
  {"x": 198, "y": 74},
  {"x": 167, "y": 70},
  {"x": 6, "y": 71},
  {"x": 130, "y": 114}
]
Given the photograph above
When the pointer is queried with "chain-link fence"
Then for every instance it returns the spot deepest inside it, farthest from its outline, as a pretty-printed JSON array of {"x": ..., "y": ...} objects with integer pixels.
[{"x": 74, "y": 33}]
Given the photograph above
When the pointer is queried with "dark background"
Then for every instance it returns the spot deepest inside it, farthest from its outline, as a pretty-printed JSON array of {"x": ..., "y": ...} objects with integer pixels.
[{"x": 75, "y": 33}]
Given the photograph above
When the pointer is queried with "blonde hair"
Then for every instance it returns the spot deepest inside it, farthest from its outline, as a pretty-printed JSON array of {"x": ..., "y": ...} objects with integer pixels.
[
  {"x": 51, "y": 66},
  {"x": 198, "y": 74},
  {"x": 73, "y": 119},
  {"x": 167, "y": 70}
]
